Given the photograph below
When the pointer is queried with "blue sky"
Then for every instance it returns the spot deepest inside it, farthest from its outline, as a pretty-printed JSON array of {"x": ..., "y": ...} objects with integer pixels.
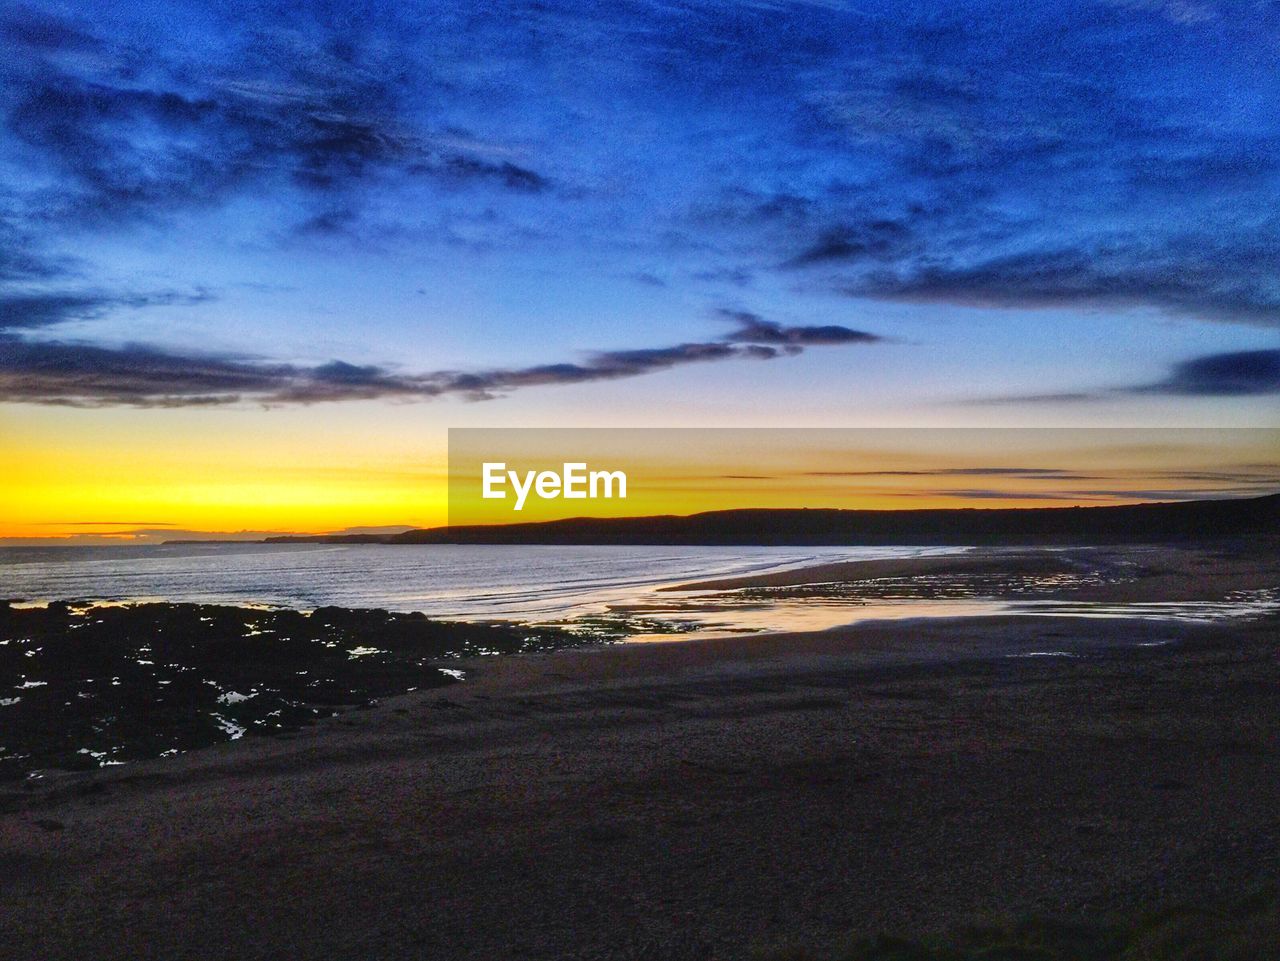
[{"x": 645, "y": 212}]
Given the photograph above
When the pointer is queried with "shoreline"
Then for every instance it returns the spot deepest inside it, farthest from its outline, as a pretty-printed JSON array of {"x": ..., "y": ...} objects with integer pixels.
[
  {"x": 1151, "y": 572},
  {"x": 220, "y": 672}
]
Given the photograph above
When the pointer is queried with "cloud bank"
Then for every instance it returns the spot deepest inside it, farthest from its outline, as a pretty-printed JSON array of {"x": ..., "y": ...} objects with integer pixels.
[{"x": 84, "y": 375}]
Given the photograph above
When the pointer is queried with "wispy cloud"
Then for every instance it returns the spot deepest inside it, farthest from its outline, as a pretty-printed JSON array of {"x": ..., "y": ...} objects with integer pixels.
[
  {"x": 1050, "y": 473},
  {"x": 104, "y": 524},
  {"x": 1212, "y": 281},
  {"x": 70, "y": 374},
  {"x": 132, "y": 133},
  {"x": 754, "y": 329},
  {"x": 32, "y": 308},
  {"x": 1105, "y": 496}
]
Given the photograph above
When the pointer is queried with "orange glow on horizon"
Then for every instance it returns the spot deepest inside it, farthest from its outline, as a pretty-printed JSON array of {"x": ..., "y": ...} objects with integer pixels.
[
  {"x": 86, "y": 476},
  {"x": 690, "y": 471},
  {"x": 108, "y": 473}
]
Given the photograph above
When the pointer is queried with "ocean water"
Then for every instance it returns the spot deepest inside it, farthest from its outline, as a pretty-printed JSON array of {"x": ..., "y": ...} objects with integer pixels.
[
  {"x": 613, "y": 590},
  {"x": 465, "y": 582}
]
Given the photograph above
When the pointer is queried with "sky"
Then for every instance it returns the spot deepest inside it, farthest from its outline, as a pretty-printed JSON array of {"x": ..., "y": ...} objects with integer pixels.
[{"x": 256, "y": 259}]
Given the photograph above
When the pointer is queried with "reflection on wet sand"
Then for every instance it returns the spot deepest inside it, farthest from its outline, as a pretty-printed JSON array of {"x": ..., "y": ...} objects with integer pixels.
[
  {"x": 1184, "y": 585},
  {"x": 720, "y": 619}
]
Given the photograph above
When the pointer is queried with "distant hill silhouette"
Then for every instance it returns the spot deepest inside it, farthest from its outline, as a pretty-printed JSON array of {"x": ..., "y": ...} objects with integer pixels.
[{"x": 1137, "y": 524}]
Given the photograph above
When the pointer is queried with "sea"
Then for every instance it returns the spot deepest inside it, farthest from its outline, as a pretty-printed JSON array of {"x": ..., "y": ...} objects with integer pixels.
[{"x": 527, "y": 583}]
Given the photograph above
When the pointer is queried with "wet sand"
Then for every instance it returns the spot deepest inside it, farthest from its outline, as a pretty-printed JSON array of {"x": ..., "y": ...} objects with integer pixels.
[
  {"x": 1114, "y": 574},
  {"x": 691, "y": 800}
]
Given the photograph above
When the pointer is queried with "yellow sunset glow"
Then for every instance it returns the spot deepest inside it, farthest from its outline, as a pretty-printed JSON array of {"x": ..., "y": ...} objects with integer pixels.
[{"x": 102, "y": 473}]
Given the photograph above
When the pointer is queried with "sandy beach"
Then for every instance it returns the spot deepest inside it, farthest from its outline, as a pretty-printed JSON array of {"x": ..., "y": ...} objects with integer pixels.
[{"x": 695, "y": 800}]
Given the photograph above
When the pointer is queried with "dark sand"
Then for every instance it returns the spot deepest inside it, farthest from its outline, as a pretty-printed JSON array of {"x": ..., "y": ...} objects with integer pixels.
[{"x": 691, "y": 800}]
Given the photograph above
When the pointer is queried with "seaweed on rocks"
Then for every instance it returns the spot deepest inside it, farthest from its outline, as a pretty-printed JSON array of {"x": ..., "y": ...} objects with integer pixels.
[{"x": 84, "y": 685}]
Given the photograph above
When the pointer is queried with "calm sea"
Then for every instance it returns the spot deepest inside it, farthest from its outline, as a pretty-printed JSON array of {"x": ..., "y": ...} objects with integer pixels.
[{"x": 468, "y": 582}]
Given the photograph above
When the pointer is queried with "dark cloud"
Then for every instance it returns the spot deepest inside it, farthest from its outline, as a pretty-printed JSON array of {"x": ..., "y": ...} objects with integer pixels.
[
  {"x": 732, "y": 276},
  {"x": 1219, "y": 283},
  {"x": 1223, "y": 375},
  {"x": 627, "y": 362},
  {"x": 877, "y": 240},
  {"x": 21, "y": 310},
  {"x": 1043, "y": 473},
  {"x": 17, "y": 264},
  {"x": 1245, "y": 478},
  {"x": 84, "y": 375},
  {"x": 139, "y": 133},
  {"x": 330, "y": 222},
  {"x": 1236, "y": 374},
  {"x": 996, "y": 493},
  {"x": 123, "y": 153},
  {"x": 754, "y": 329},
  {"x": 1268, "y": 474},
  {"x": 1178, "y": 493},
  {"x": 144, "y": 153},
  {"x": 510, "y": 175},
  {"x": 1063, "y": 397},
  {"x": 648, "y": 279},
  {"x": 1025, "y": 160},
  {"x": 39, "y": 31},
  {"x": 21, "y": 261},
  {"x": 603, "y": 366},
  {"x": 1119, "y": 493},
  {"x": 72, "y": 374}
]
